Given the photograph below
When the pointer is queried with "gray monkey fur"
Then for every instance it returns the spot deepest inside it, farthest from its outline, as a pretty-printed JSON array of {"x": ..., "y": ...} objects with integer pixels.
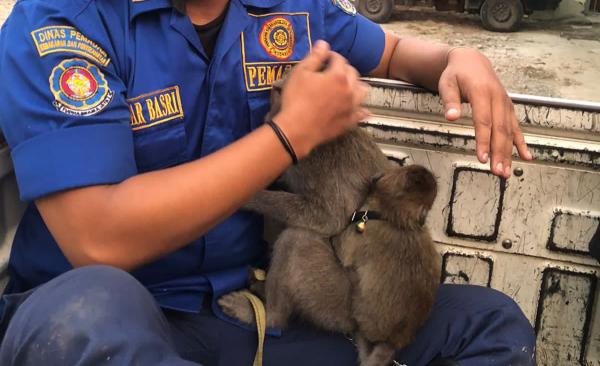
[{"x": 379, "y": 285}]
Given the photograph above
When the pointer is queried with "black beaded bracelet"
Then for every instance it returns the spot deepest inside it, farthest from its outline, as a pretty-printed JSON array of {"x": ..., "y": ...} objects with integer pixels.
[{"x": 284, "y": 140}]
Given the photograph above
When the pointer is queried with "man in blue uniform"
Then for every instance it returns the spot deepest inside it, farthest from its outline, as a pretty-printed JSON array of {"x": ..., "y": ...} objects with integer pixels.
[{"x": 136, "y": 134}]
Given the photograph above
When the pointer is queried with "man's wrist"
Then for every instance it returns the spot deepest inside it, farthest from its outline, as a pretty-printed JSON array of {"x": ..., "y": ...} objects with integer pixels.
[
  {"x": 454, "y": 49},
  {"x": 289, "y": 127}
]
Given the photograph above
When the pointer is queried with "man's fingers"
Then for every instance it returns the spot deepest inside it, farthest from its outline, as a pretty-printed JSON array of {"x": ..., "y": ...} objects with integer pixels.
[
  {"x": 450, "y": 94},
  {"x": 337, "y": 64},
  {"x": 519, "y": 140},
  {"x": 316, "y": 59},
  {"x": 482, "y": 120},
  {"x": 359, "y": 90},
  {"x": 501, "y": 139}
]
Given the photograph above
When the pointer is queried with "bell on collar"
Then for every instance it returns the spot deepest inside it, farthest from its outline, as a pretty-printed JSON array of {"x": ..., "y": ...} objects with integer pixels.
[{"x": 361, "y": 226}]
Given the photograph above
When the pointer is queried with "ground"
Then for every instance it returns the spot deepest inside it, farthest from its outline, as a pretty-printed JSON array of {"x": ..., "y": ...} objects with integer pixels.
[{"x": 547, "y": 57}]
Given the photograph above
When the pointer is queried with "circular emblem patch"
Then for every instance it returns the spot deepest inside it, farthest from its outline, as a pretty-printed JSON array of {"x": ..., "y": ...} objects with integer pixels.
[
  {"x": 79, "y": 88},
  {"x": 346, "y": 6},
  {"x": 277, "y": 38}
]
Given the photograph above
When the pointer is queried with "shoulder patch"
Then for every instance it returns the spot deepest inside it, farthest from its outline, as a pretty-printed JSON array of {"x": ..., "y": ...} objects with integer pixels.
[
  {"x": 346, "y": 5},
  {"x": 79, "y": 88},
  {"x": 62, "y": 38}
]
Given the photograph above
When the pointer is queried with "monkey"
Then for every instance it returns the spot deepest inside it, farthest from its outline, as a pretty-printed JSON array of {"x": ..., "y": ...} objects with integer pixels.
[
  {"x": 322, "y": 191},
  {"x": 393, "y": 265},
  {"x": 307, "y": 276}
]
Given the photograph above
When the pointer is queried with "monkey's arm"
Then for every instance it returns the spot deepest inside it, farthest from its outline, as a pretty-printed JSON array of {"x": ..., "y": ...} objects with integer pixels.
[{"x": 293, "y": 210}]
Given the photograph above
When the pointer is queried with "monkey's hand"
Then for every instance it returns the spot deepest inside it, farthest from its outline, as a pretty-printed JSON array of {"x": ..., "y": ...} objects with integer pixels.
[{"x": 294, "y": 210}]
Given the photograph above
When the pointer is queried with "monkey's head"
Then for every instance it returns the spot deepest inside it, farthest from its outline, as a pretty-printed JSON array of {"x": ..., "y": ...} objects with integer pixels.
[
  {"x": 404, "y": 195},
  {"x": 275, "y": 98}
]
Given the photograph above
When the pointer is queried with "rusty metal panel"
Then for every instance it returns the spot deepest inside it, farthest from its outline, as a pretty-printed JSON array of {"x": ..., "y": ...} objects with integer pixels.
[
  {"x": 563, "y": 317},
  {"x": 466, "y": 203},
  {"x": 520, "y": 235},
  {"x": 466, "y": 269},
  {"x": 572, "y": 232},
  {"x": 531, "y": 111}
]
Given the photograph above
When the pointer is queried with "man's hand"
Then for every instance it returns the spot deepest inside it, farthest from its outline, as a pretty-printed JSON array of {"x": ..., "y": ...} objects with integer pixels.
[
  {"x": 469, "y": 76},
  {"x": 321, "y": 99},
  {"x": 460, "y": 74}
]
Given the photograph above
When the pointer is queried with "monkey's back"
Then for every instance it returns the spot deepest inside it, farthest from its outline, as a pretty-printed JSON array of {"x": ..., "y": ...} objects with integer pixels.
[
  {"x": 337, "y": 175},
  {"x": 397, "y": 274}
]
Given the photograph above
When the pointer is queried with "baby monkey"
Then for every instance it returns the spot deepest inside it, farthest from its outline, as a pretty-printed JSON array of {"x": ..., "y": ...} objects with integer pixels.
[
  {"x": 377, "y": 284},
  {"x": 392, "y": 263}
]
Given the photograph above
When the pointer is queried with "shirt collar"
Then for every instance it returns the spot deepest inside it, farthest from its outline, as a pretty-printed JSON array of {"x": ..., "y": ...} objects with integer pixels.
[
  {"x": 264, "y": 4},
  {"x": 143, "y": 6}
]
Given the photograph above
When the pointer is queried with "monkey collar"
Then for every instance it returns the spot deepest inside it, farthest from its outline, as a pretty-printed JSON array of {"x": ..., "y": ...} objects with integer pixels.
[{"x": 361, "y": 218}]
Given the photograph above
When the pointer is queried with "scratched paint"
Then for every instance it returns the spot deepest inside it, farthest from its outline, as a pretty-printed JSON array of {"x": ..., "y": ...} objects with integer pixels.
[
  {"x": 460, "y": 268},
  {"x": 410, "y": 100},
  {"x": 563, "y": 316},
  {"x": 571, "y": 232},
  {"x": 485, "y": 203}
]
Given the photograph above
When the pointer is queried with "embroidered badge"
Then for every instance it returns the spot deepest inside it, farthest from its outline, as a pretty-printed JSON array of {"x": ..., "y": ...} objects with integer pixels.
[
  {"x": 155, "y": 108},
  {"x": 277, "y": 38},
  {"x": 284, "y": 39},
  {"x": 79, "y": 88},
  {"x": 346, "y": 6},
  {"x": 60, "y": 38}
]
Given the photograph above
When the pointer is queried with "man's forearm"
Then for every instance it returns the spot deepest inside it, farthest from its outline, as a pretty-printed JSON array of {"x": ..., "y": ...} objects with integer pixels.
[
  {"x": 412, "y": 60},
  {"x": 152, "y": 214},
  {"x": 418, "y": 62}
]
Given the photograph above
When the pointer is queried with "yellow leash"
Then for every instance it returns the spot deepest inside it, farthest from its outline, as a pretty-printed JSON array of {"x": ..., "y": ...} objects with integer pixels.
[{"x": 261, "y": 324}]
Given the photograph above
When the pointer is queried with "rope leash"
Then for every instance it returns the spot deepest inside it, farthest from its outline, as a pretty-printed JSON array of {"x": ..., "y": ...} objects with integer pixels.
[{"x": 261, "y": 324}]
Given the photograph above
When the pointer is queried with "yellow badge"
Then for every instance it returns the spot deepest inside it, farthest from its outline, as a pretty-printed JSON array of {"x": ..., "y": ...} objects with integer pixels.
[
  {"x": 277, "y": 38},
  {"x": 155, "y": 108},
  {"x": 62, "y": 38}
]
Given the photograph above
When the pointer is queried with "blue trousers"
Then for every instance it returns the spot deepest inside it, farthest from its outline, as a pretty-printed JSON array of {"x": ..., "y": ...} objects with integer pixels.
[{"x": 100, "y": 315}]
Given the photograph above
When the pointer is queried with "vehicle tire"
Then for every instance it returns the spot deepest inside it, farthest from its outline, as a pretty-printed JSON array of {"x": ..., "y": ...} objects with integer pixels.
[
  {"x": 378, "y": 11},
  {"x": 501, "y": 15}
]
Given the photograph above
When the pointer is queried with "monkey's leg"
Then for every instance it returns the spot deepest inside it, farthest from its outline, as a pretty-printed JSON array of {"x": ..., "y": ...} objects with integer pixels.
[
  {"x": 364, "y": 348},
  {"x": 382, "y": 355},
  {"x": 292, "y": 209},
  {"x": 278, "y": 305}
]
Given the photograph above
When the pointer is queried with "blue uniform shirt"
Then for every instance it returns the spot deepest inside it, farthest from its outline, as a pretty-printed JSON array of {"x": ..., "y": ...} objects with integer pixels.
[{"x": 96, "y": 91}]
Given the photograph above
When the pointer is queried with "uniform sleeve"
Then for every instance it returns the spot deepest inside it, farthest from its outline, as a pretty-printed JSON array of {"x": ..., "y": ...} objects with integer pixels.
[
  {"x": 62, "y": 106},
  {"x": 353, "y": 36}
]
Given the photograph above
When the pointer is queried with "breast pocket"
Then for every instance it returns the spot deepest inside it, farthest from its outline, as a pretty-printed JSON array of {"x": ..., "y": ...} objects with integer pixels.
[
  {"x": 259, "y": 106},
  {"x": 157, "y": 122}
]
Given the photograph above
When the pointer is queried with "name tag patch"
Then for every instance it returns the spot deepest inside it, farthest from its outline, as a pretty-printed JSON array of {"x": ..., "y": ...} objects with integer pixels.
[
  {"x": 79, "y": 88},
  {"x": 155, "y": 108},
  {"x": 59, "y": 38},
  {"x": 272, "y": 46}
]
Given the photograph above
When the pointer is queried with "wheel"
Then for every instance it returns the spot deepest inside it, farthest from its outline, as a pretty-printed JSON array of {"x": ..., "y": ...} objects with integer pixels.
[
  {"x": 501, "y": 15},
  {"x": 378, "y": 11}
]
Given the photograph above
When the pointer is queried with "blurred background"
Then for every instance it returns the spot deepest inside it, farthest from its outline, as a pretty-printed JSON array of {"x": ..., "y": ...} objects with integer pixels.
[{"x": 554, "y": 52}]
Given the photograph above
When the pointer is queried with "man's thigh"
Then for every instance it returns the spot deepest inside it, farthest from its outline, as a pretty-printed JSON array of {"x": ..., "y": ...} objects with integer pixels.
[
  {"x": 205, "y": 339},
  {"x": 472, "y": 325}
]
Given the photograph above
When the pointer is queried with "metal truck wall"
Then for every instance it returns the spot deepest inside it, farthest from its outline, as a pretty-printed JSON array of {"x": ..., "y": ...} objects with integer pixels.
[{"x": 526, "y": 236}]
